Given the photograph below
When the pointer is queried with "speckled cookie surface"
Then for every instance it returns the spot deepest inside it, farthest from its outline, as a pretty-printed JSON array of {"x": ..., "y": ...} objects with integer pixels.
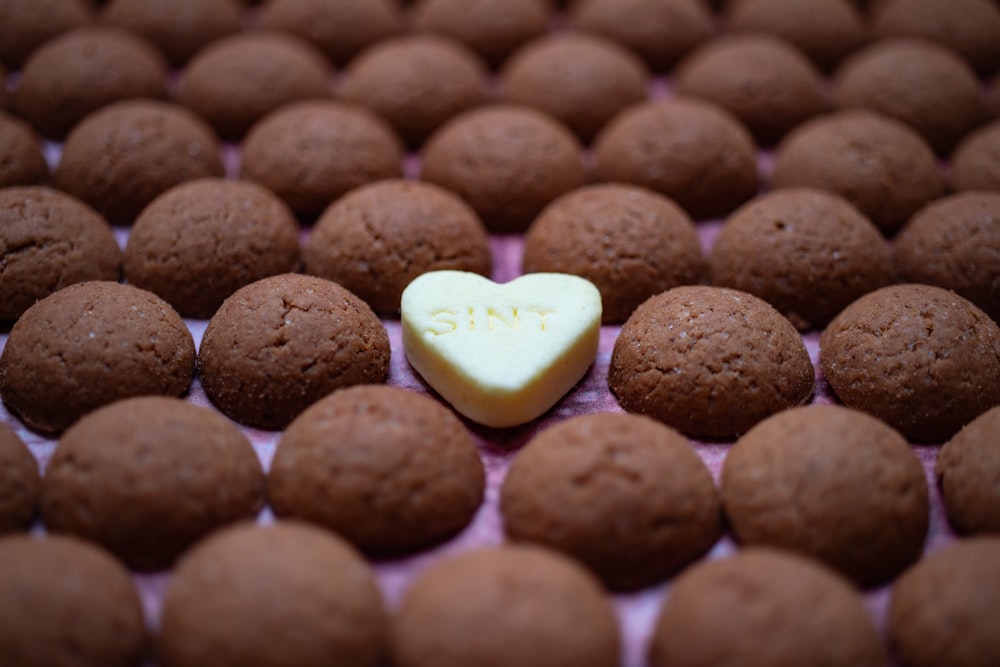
[
  {"x": 311, "y": 153},
  {"x": 691, "y": 151},
  {"x": 944, "y": 609},
  {"x": 922, "y": 359},
  {"x": 27, "y": 24},
  {"x": 280, "y": 344},
  {"x": 542, "y": 610},
  {"x": 376, "y": 239},
  {"x": 119, "y": 158},
  {"x": 66, "y": 603},
  {"x": 975, "y": 163},
  {"x": 20, "y": 483},
  {"x": 234, "y": 585},
  {"x": 880, "y": 165},
  {"x": 719, "y": 611},
  {"x": 709, "y": 361},
  {"x": 807, "y": 252},
  {"x": 968, "y": 472},
  {"x": 23, "y": 162},
  {"x": 390, "y": 470},
  {"x": 147, "y": 477},
  {"x": 630, "y": 242},
  {"x": 491, "y": 28},
  {"x": 570, "y": 485},
  {"x": 200, "y": 241},
  {"x": 507, "y": 162},
  {"x": 830, "y": 483},
  {"x": 91, "y": 344}
]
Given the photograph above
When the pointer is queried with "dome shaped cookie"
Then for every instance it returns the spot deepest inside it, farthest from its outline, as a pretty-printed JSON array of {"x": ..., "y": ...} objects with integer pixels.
[
  {"x": 23, "y": 162},
  {"x": 709, "y": 361},
  {"x": 975, "y": 162},
  {"x": 27, "y": 24},
  {"x": 967, "y": 469},
  {"x": 20, "y": 483}
]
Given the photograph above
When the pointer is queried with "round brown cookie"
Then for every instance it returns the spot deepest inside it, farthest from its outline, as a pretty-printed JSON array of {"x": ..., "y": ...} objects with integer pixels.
[
  {"x": 879, "y": 165},
  {"x": 27, "y": 24},
  {"x": 920, "y": 358},
  {"x": 767, "y": 84},
  {"x": 390, "y": 470},
  {"x": 233, "y": 586},
  {"x": 311, "y": 153},
  {"x": 49, "y": 240},
  {"x": 416, "y": 82},
  {"x": 121, "y": 157},
  {"x": 339, "y": 28},
  {"x": 512, "y": 605},
  {"x": 507, "y": 162},
  {"x": 691, "y": 151},
  {"x": 919, "y": 83},
  {"x": 709, "y": 361},
  {"x": 65, "y": 603},
  {"x": 23, "y": 162},
  {"x": 91, "y": 344},
  {"x": 660, "y": 31},
  {"x": 968, "y": 472},
  {"x": 179, "y": 28},
  {"x": 830, "y": 483},
  {"x": 954, "y": 243},
  {"x": 570, "y": 486},
  {"x": 235, "y": 81},
  {"x": 84, "y": 70},
  {"x": 376, "y": 239},
  {"x": 579, "y": 79},
  {"x": 943, "y": 610},
  {"x": 824, "y": 31},
  {"x": 20, "y": 484},
  {"x": 280, "y": 344},
  {"x": 200, "y": 241},
  {"x": 491, "y": 28},
  {"x": 147, "y": 477},
  {"x": 764, "y": 608},
  {"x": 807, "y": 252},
  {"x": 970, "y": 28},
  {"x": 630, "y": 242},
  {"x": 975, "y": 162}
]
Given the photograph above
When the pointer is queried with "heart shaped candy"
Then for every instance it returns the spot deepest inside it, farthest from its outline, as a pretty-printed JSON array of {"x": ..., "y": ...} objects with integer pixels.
[{"x": 501, "y": 354}]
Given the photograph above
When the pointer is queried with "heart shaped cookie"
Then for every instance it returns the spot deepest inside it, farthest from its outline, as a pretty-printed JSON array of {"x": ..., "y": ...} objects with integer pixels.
[{"x": 501, "y": 354}]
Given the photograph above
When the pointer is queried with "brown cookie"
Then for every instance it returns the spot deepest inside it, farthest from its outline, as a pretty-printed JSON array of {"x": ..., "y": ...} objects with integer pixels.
[
  {"x": 64, "y": 602},
  {"x": 311, "y": 153},
  {"x": 513, "y": 605},
  {"x": 20, "y": 484},
  {"x": 121, "y": 157},
  {"x": 975, "y": 162},
  {"x": 630, "y": 242},
  {"x": 280, "y": 344},
  {"x": 968, "y": 472},
  {"x": 416, "y": 82},
  {"x": 505, "y": 161},
  {"x": 376, "y": 239},
  {"x": 661, "y": 31},
  {"x": 232, "y": 591},
  {"x": 764, "y": 608},
  {"x": 770, "y": 86},
  {"x": 235, "y": 81},
  {"x": 579, "y": 79},
  {"x": 920, "y": 358},
  {"x": 570, "y": 486},
  {"x": 179, "y": 28},
  {"x": 91, "y": 344},
  {"x": 830, "y": 483},
  {"x": 919, "y": 83},
  {"x": 954, "y": 243},
  {"x": 27, "y": 24},
  {"x": 879, "y": 165},
  {"x": 200, "y": 241},
  {"x": 807, "y": 252},
  {"x": 943, "y": 610},
  {"x": 23, "y": 162},
  {"x": 84, "y": 70},
  {"x": 390, "y": 470},
  {"x": 691, "y": 151},
  {"x": 709, "y": 361}
]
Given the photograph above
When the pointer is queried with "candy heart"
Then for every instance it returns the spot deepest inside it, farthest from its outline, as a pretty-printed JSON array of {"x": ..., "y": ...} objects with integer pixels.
[{"x": 501, "y": 354}]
